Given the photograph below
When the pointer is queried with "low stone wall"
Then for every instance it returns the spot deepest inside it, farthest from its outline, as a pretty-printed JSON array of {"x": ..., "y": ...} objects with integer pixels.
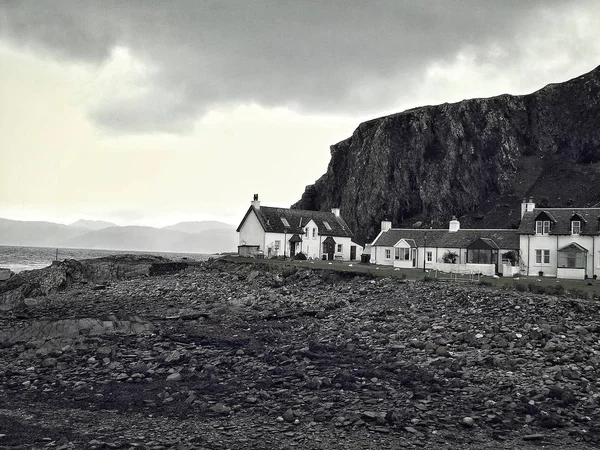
[{"x": 484, "y": 269}]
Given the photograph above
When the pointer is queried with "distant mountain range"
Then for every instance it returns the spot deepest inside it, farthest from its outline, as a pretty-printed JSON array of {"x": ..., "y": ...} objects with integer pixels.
[{"x": 184, "y": 237}]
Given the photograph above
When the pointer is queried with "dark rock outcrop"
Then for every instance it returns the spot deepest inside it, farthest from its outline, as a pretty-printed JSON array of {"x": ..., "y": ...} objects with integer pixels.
[
  {"x": 62, "y": 274},
  {"x": 476, "y": 158},
  {"x": 5, "y": 274}
]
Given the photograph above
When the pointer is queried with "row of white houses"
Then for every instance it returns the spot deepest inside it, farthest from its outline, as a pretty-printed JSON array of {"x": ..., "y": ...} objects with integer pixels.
[{"x": 552, "y": 242}]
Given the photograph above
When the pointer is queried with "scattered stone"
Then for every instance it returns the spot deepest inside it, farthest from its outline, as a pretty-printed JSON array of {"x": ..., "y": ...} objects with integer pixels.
[
  {"x": 468, "y": 422},
  {"x": 175, "y": 377},
  {"x": 221, "y": 409},
  {"x": 533, "y": 437},
  {"x": 289, "y": 416}
]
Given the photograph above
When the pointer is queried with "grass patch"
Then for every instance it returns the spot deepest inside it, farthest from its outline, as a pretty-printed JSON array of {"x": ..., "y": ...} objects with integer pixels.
[{"x": 586, "y": 289}]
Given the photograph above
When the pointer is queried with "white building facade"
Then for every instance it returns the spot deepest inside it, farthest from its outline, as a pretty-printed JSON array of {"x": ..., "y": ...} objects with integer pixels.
[
  {"x": 561, "y": 242},
  {"x": 272, "y": 232}
]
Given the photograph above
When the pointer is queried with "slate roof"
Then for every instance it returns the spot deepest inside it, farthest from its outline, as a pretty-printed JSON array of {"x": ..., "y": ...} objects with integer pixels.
[
  {"x": 573, "y": 246},
  {"x": 562, "y": 220},
  {"x": 270, "y": 219},
  {"x": 503, "y": 238}
]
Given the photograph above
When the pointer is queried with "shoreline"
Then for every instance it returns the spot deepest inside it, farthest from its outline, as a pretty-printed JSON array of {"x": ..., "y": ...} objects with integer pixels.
[{"x": 244, "y": 355}]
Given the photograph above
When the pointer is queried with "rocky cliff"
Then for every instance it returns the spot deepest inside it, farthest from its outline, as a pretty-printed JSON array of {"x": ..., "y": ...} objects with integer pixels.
[{"x": 475, "y": 159}]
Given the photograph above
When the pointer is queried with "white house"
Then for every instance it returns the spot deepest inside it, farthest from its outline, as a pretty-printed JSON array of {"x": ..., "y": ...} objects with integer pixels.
[
  {"x": 272, "y": 231},
  {"x": 560, "y": 242},
  {"x": 485, "y": 251}
]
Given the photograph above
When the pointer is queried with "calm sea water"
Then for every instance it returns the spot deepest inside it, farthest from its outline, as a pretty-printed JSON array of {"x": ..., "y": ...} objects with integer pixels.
[{"x": 18, "y": 259}]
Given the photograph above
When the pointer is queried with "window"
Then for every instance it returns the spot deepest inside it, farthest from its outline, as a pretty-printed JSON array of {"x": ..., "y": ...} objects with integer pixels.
[
  {"x": 339, "y": 248},
  {"x": 277, "y": 245},
  {"x": 403, "y": 254},
  {"x": 306, "y": 232},
  {"x": 314, "y": 232},
  {"x": 480, "y": 256},
  {"x": 285, "y": 222},
  {"x": 575, "y": 227},
  {"x": 510, "y": 258},
  {"x": 429, "y": 256},
  {"x": 327, "y": 225},
  {"x": 388, "y": 253},
  {"x": 571, "y": 259},
  {"x": 542, "y": 227},
  {"x": 542, "y": 257}
]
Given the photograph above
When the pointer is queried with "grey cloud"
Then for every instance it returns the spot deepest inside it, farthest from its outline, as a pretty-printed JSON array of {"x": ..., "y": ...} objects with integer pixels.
[{"x": 311, "y": 55}]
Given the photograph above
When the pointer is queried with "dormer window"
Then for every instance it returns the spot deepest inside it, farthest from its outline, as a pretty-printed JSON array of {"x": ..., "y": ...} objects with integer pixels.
[
  {"x": 575, "y": 227},
  {"x": 542, "y": 226}
]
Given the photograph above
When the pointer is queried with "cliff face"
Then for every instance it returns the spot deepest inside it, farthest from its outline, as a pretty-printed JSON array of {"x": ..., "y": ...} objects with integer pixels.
[{"x": 475, "y": 159}]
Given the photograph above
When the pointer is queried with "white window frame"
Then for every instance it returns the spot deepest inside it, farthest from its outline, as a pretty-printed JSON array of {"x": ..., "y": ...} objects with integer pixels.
[
  {"x": 542, "y": 226},
  {"x": 429, "y": 256},
  {"x": 340, "y": 248},
  {"x": 277, "y": 245},
  {"x": 543, "y": 256},
  {"x": 402, "y": 254},
  {"x": 573, "y": 227},
  {"x": 306, "y": 233},
  {"x": 388, "y": 253},
  {"x": 314, "y": 233}
]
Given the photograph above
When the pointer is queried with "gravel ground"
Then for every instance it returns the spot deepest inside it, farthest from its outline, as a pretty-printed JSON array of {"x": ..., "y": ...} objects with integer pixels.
[{"x": 223, "y": 355}]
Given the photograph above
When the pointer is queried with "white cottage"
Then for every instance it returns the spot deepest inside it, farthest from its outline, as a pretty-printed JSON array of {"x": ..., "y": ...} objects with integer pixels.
[
  {"x": 486, "y": 251},
  {"x": 560, "y": 242},
  {"x": 269, "y": 231}
]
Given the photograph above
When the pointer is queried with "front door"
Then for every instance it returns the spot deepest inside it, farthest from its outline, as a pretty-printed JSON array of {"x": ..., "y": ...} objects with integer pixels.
[
  {"x": 328, "y": 249},
  {"x": 292, "y": 248},
  {"x": 352, "y": 252}
]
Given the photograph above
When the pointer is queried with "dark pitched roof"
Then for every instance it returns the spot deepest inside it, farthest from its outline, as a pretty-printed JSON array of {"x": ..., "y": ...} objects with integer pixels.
[
  {"x": 502, "y": 238},
  {"x": 562, "y": 220},
  {"x": 271, "y": 220},
  {"x": 574, "y": 246},
  {"x": 483, "y": 243}
]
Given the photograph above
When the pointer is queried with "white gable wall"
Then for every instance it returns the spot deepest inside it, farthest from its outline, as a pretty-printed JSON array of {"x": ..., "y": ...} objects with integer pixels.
[
  {"x": 311, "y": 244},
  {"x": 252, "y": 233}
]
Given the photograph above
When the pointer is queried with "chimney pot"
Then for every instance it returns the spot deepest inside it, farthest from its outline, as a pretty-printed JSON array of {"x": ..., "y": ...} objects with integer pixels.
[
  {"x": 256, "y": 202},
  {"x": 454, "y": 225},
  {"x": 386, "y": 225}
]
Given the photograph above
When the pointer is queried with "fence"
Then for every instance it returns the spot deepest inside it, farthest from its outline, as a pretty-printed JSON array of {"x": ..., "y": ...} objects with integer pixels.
[{"x": 459, "y": 274}]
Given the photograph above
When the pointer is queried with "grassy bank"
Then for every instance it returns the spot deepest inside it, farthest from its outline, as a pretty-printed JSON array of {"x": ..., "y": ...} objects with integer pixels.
[{"x": 589, "y": 289}]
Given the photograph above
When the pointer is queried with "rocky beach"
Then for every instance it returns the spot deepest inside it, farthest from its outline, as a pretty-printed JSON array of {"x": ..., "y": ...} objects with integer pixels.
[{"x": 140, "y": 352}]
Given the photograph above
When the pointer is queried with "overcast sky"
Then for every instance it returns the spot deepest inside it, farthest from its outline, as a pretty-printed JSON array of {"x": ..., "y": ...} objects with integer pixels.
[{"x": 153, "y": 112}]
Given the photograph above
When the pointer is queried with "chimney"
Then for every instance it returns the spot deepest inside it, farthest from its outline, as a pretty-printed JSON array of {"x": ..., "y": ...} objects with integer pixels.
[
  {"x": 527, "y": 206},
  {"x": 454, "y": 225},
  {"x": 255, "y": 202},
  {"x": 386, "y": 225},
  {"x": 336, "y": 211}
]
